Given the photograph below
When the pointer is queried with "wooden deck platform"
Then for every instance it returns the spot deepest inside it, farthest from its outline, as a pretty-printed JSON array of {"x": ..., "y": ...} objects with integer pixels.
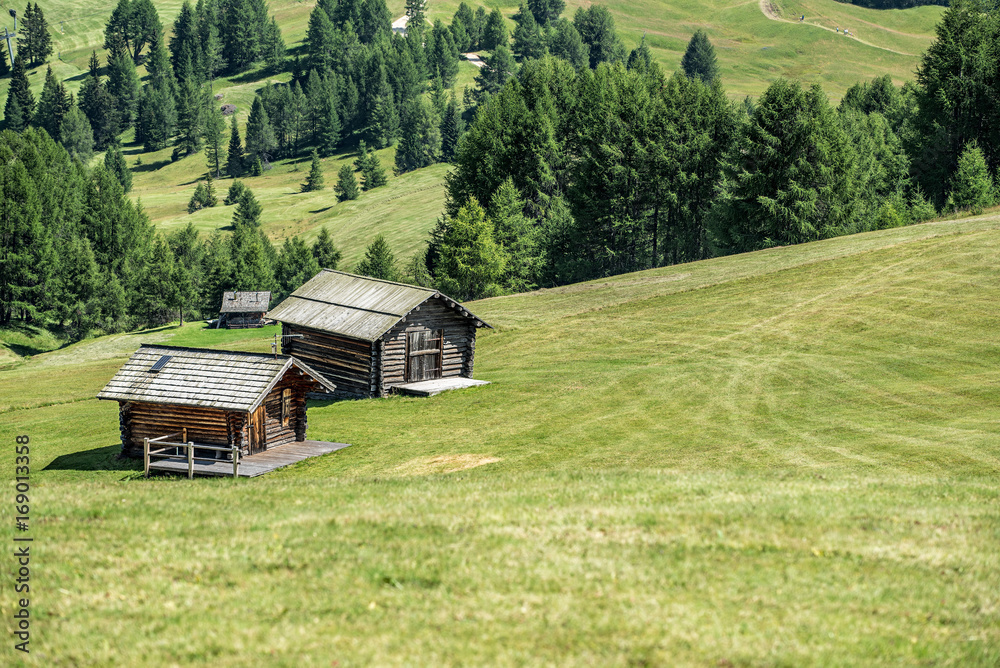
[
  {"x": 428, "y": 388},
  {"x": 251, "y": 465}
]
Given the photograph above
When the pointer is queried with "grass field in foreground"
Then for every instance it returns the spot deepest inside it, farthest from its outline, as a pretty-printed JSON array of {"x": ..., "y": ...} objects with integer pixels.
[{"x": 781, "y": 458}]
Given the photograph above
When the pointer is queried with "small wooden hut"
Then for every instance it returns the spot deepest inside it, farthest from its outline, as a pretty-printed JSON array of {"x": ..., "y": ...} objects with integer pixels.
[
  {"x": 221, "y": 398},
  {"x": 368, "y": 336},
  {"x": 241, "y": 310}
]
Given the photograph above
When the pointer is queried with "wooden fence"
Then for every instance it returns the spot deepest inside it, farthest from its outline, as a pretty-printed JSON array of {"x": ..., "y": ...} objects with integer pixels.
[{"x": 173, "y": 449}]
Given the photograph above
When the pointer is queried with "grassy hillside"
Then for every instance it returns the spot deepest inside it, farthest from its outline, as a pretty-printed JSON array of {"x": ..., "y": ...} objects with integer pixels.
[
  {"x": 782, "y": 458},
  {"x": 753, "y": 50}
]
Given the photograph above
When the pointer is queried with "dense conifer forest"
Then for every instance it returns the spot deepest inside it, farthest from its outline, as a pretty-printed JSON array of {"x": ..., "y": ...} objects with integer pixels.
[{"x": 573, "y": 158}]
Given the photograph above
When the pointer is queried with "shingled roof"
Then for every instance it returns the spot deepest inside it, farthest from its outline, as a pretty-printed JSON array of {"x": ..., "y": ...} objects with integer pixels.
[
  {"x": 224, "y": 379},
  {"x": 245, "y": 302},
  {"x": 358, "y": 307}
]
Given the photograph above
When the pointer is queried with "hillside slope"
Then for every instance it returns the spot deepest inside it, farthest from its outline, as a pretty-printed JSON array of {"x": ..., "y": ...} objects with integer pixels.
[{"x": 781, "y": 458}]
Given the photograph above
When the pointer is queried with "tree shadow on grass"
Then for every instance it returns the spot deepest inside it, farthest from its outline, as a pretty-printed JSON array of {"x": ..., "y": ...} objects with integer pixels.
[
  {"x": 96, "y": 459},
  {"x": 324, "y": 209},
  {"x": 151, "y": 166}
]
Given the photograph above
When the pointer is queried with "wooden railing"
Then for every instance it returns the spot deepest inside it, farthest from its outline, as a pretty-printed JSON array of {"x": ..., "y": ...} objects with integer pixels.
[{"x": 184, "y": 444}]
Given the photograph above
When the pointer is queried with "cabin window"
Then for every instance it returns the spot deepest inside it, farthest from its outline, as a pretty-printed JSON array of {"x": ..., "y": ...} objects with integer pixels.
[{"x": 286, "y": 406}]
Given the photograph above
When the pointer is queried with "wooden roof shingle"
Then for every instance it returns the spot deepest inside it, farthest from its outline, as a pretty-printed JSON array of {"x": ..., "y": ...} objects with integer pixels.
[
  {"x": 358, "y": 307},
  {"x": 245, "y": 302},
  {"x": 224, "y": 379}
]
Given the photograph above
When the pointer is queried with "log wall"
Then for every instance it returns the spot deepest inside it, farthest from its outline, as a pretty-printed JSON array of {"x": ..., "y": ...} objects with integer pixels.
[
  {"x": 347, "y": 363},
  {"x": 210, "y": 426},
  {"x": 459, "y": 343},
  {"x": 296, "y": 428}
]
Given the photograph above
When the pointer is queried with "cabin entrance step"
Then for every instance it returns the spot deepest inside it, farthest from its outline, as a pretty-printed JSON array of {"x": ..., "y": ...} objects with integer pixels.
[
  {"x": 428, "y": 388},
  {"x": 251, "y": 466}
]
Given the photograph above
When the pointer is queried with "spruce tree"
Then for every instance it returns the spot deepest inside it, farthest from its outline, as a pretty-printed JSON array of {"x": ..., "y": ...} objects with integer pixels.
[
  {"x": 295, "y": 266},
  {"x": 442, "y": 55},
  {"x": 471, "y": 264},
  {"x": 213, "y": 129},
  {"x": 234, "y": 160},
  {"x": 114, "y": 162},
  {"x": 34, "y": 40},
  {"x": 494, "y": 32},
  {"x": 347, "y": 185},
  {"x": 4, "y": 65},
  {"x": 385, "y": 122},
  {"x": 211, "y": 199},
  {"x": 699, "y": 61},
  {"x": 20, "y": 90},
  {"x": 236, "y": 190},
  {"x": 497, "y": 69},
  {"x": 451, "y": 129},
  {"x": 76, "y": 135},
  {"x": 123, "y": 82},
  {"x": 197, "y": 198},
  {"x": 260, "y": 142},
  {"x": 13, "y": 118},
  {"x": 415, "y": 14},
  {"x": 565, "y": 42},
  {"x": 421, "y": 137},
  {"x": 97, "y": 103},
  {"x": 326, "y": 254},
  {"x": 52, "y": 105},
  {"x": 315, "y": 179},
  {"x": 379, "y": 261},
  {"x": 641, "y": 57},
  {"x": 529, "y": 42},
  {"x": 597, "y": 29},
  {"x": 373, "y": 175},
  {"x": 971, "y": 185}
]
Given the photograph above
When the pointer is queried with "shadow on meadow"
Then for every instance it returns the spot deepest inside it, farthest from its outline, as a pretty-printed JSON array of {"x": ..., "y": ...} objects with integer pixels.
[{"x": 96, "y": 459}]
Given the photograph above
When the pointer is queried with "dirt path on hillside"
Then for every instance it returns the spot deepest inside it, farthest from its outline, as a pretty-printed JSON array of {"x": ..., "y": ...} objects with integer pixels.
[
  {"x": 770, "y": 10},
  {"x": 474, "y": 59}
]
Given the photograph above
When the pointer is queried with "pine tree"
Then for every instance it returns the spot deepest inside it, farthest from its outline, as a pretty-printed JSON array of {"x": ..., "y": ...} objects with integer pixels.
[
  {"x": 34, "y": 39},
  {"x": 463, "y": 28},
  {"x": 379, "y": 261},
  {"x": 385, "y": 122},
  {"x": 328, "y": 131},
  {"x": 971, "y": 185},
  {"x": 13, "y": 118},
  {"x": 234, "y": 160},
  {"x": 421, "y": 137},
  {"x": 236, "y": 190},
  {"x": 197, "y": 198},
  {"x": 296, "y": 265},
  {"x": 471, "y": 264},
  {"x": 565, "y": 42},
  {"x": 52, "y": 105},
  {"x": 374, "y": 174},
  {"x": 97, "y": 103},
  {"x": 20, "y": 91},
  {"x": 597, "y": 29},
  {"x": 442, "y": 55},
  {"x": 361, "y": 162},
  {"x": 699, "y": 61},
  {"x": 452, "y": 126},
  {"x": 529, "y": 42},
  {"x": 76, "y": 135},
  {"x": 326, "y": 254},
  {"x": 315, "y": 179},
  {"x": 157, "y": 118},
  {"x": 546, "y": 11},
  {"x": 25, "y": 245},
  {"x": 497, "y": 69},
  {"x": 260, "y": 142},
  {"x": 347, "y": 185},
  {"x": 114, "y": 162},
  {"x": 211, "y": 199},
  {"x": 213, "y": 129},
  {"x": 192, "y": 106},
  {"x": 495, "y": 32},
  {"x": 641, "y": 57},
  {"x": 273, "y": 46},
  {"x": 123, "y": 82},
  {"x": 415, "y": 14}
]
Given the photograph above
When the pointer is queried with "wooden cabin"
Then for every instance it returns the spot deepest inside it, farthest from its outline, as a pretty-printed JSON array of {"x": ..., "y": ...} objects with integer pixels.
[
  {"x": 221, "y": 398},
  {"x": 368, "y": 336},
  {"x": 241, "y": 310}
]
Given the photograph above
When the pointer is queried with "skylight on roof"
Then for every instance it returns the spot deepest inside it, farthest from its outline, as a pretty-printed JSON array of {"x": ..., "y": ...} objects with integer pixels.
[{"x": 160, "y": 363}]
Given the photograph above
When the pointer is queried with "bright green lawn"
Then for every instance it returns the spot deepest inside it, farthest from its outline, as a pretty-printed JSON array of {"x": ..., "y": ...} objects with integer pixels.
[{"x": 781, "y": 458}]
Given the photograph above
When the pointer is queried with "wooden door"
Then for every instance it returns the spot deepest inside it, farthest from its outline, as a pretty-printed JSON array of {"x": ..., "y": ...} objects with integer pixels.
[
  {"x": 423, "y": 355},
  {"x": 258, "y": 431}
]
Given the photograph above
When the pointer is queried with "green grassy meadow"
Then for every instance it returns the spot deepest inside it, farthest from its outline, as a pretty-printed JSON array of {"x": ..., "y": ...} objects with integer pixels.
[{"x": 781, "y": 458}]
